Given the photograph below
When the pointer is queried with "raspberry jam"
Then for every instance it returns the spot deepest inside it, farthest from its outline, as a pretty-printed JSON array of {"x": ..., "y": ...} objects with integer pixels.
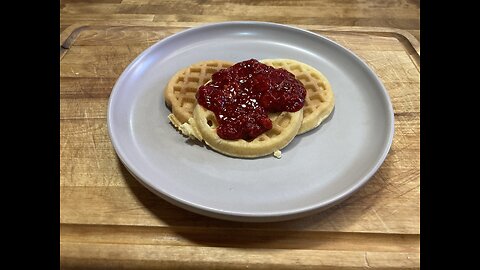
[{"x": 242, "y": 95}]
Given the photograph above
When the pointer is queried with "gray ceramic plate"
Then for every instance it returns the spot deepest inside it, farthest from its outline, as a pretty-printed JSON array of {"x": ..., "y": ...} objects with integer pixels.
[{"x": 318, "y": 169}]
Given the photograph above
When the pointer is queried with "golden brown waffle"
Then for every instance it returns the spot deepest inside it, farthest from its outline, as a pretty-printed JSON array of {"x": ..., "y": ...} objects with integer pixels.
[
  {"x": 285, "y": 126},
  {"x": 319, "y": 101},
  {"x": 195, "y": 121},
  {"x": 180, "y": 91}
]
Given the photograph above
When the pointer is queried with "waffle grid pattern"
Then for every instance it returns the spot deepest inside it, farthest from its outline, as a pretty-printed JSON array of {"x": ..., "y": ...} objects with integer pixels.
[{"x": 180, "y": 91}]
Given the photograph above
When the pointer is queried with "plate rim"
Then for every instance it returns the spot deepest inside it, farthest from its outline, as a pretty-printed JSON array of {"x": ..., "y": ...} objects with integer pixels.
[{"x": 246, "y": 216}]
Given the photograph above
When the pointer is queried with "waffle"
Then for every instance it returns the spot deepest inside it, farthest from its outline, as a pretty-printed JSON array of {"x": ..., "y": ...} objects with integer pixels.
[
  {"x": 180, "y": 91},
  {"x": 319, "y": 101},
  {"x": 285, "y": 126},
  {"x": 199, "y": 123}
]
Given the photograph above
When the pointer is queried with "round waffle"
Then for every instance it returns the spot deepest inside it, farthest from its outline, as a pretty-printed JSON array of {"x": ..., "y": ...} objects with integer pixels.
[
  {"x": 319, "y": 101},
  {"x": 197, "y": 122},
  {"x": 285, "y": 126}
]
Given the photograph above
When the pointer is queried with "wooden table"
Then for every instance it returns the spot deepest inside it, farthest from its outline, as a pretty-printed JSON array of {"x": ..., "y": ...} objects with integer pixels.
[
  {"x": 110, "y": 221},
  {"x": 400, "y": 14}
]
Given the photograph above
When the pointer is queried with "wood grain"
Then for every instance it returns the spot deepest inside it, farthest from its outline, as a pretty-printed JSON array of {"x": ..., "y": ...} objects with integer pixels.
[
  {"x": 401, "y": 14},
  {"x": 108, "y": 220},
  {"x": 148, "y": 257}
]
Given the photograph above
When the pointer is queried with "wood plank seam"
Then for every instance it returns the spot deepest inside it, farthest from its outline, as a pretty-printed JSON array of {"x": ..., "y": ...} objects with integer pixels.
[{"x": 239, "y": 238}]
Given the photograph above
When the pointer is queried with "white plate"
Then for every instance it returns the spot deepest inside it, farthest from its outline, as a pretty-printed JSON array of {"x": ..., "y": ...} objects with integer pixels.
[{"x": 317, "y": 170}]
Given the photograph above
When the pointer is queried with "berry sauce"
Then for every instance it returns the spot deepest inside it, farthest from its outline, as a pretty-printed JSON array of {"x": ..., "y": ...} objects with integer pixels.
[{"x": 242, "y": 95}]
